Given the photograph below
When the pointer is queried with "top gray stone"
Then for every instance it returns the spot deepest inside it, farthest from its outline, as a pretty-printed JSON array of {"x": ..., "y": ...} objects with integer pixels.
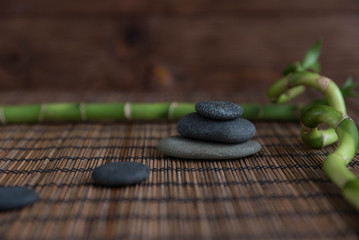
[{"x": 219, "y": 110}]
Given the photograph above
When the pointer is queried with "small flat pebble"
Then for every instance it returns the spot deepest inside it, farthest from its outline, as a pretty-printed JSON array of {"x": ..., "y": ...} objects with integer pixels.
[
  {"x": 120, "y": 173},
  {"x": 219, "y": 110},
  {"x": 196, "y": 126},
  {"x": 16, "y": 197},
  {"x": 180, "y": 147}
]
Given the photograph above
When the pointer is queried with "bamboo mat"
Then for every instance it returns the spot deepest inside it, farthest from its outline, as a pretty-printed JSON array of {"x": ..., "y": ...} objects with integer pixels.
[{"x": 278, "y": 193}]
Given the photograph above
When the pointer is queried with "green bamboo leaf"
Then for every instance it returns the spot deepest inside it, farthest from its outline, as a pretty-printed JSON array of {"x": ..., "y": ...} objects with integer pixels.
[
  {"x": 348, "y": 83},
  {"x": 289, "y": 69},
  {"x": 348, "y": 89},
  {"x": 316, "y": 67},
  {"x": 292, "y": 68},
  {"x": 311, "y": 57}
]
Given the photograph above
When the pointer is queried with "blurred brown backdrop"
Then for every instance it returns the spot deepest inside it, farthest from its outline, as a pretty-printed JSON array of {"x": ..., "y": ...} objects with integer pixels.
[{"x": 201, "y": 45}]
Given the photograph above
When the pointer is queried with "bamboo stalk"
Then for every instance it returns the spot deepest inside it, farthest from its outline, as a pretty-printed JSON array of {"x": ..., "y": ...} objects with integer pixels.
[
  {"x": 77, "y": 112},
  {"x": 335, "y": 164},
  {"x": 290, "y": 94},
  {"x": 311, "y": 136},
  {"x": 330, "y": 90}
]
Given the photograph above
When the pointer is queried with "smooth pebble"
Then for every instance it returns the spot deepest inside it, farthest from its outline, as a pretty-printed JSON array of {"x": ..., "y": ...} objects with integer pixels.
[
  {"x": 196, "y": 126},
  {"x": 180, "y": 147},
  {"x": 16, "y": 197},
  {"x": 120, "y": 173},
  {"x": 219, "y": 110}
]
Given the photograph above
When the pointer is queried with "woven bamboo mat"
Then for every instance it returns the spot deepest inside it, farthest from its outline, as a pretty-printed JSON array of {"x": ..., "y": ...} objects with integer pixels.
[{"x": 278, "y": 193}]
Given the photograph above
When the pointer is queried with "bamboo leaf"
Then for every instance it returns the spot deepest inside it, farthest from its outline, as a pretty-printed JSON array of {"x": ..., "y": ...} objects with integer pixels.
[
  {"x": 316, "y": 67},
  {"x": 311, "y": 57},
  {"x": 292, "y": 68},
  {"x": 288, "y": 69},
  {"x": 348, "y": 89},
  {"x": 348, "y": 83}
]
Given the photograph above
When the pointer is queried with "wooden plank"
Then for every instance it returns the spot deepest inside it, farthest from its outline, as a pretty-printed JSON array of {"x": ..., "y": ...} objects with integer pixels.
[
  {"x": 255, "y": 49},
  {"x": 78, "y": 54},
  {"x": 210, "y": 53},
  {"x": 109, "y": 8}
]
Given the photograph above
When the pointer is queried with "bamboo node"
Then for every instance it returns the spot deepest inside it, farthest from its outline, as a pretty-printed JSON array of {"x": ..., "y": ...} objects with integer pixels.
[
  {"x": 323, "y": 83},
  {"x": 341, "y": 120},
  {"x": 345, "y": 158},
  {"x": 127, "y": 110},
  {"x": 171, "y": 109},
  {"x": 2, "y": 116}
]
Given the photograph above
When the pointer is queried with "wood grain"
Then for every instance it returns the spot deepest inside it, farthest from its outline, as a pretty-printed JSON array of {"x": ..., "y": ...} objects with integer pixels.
[{"x": 170, "y": 45}]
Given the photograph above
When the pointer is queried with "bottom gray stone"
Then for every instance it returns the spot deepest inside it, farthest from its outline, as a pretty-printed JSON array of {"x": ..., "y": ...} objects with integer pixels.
[
  {"x": 180, "y": 147},
  {"x": 16, "y": 197}
]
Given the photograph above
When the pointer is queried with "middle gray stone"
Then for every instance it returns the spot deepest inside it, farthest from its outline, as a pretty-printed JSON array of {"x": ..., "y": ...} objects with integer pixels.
[{"x": 196, "y": 126}]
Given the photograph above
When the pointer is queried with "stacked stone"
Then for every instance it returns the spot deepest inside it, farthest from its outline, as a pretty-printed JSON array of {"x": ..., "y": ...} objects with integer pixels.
[{"x": 215, "y": 131}]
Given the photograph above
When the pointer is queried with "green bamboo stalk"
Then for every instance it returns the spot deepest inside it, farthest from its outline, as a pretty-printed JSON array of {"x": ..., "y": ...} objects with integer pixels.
[
  {"x": 335, "y": 164},
  {"x": 311, "y": 136},
  {"x": 277, "y": 112},
  {"x": 290, "y": 94},
  {"x": 77, "y": 112},
  {"x": 330, "y": 90}
]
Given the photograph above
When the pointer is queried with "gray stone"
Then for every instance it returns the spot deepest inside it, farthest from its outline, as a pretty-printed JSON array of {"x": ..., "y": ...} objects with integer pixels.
[
  {"x": 196, "y": 126},
  {"x": 120, "y": 173},
  {"x": 219, "y": 110},
  {"x": 180, "y": 147},
  {"x": 16, "y": 197}
]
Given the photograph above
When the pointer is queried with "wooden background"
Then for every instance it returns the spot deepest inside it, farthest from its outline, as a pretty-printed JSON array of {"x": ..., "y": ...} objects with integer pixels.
[{"x": 201, "y": 45}]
